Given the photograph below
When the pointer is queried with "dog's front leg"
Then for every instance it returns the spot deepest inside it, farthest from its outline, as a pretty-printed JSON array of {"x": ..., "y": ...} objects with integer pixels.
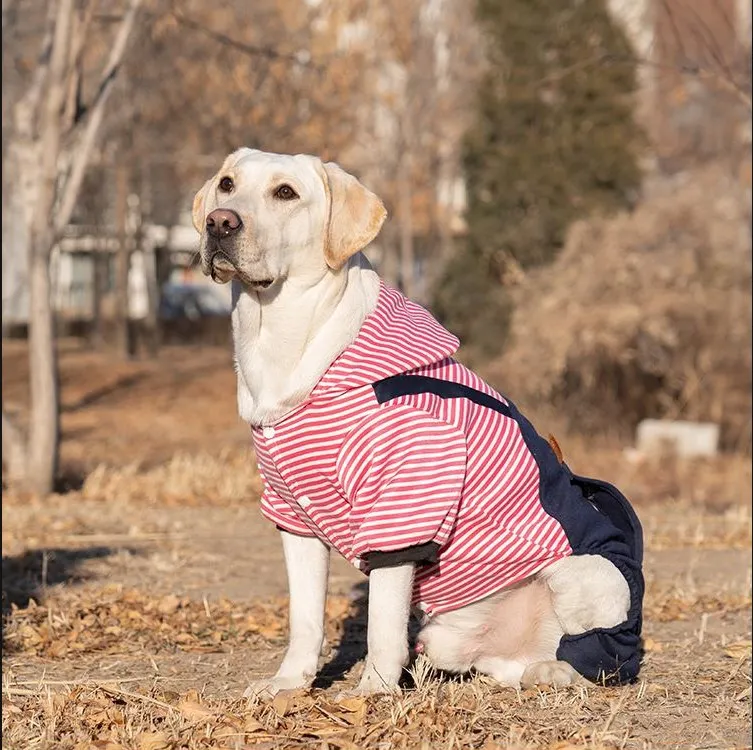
[
  {"x": 390, "y": 591},
  {"x": 307, "y": 562}
]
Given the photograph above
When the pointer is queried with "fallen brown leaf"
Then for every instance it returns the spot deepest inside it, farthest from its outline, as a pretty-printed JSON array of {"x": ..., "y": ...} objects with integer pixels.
[
  {"x": 253, "y": 725},
  {"x": 152, "y": 741},
  {"x": 168, "y": 604},
  {"x": 194, "y": 711}
]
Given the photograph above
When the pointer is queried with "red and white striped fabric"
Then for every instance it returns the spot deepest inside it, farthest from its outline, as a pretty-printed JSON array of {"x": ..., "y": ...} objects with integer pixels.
[{"x": 367, "y": 477}]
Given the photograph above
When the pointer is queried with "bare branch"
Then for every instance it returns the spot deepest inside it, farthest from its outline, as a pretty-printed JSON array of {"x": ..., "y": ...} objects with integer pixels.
[
  {"x": 95, "y": 116},
  {"x": 728, "y": 84},
  {"x": 50, "y": 116},
  {"x": 250, "y": 49},
  {"x": 27, "y": 108},
  {"x": 74, "y": 107},
  {"x": 718, "y": 78},
  {"x": 716, "y": 69}
]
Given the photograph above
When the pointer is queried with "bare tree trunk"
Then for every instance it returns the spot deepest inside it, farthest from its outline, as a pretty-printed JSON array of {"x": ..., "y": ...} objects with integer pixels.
[
  {"x": 122, "y": 266},
  {"x": 389, "y": 264},
  {"x": 44, "y": 423},
  {"x": 14, "y": 450},
  {"x": 25, "y": 155},
  {"x": 151, "y": 323},
  {"x": 99, "y": 284},
  {"x": 441, "y": 219},
  {"x": 85, "y": 145},
  {"x": 42, "y": 116}
]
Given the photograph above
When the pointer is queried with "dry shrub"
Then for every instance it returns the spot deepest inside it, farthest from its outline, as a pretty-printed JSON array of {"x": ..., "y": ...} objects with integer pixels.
[
  {"x": 644, "y": 314},
  {"x": 198, "y": 479}
]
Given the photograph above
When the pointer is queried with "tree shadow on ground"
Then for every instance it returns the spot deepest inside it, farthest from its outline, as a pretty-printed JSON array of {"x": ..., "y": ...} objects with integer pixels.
[
  {"x": 97, "y": 395},
  {"x": 353, "y": 645},
  {"x": 26, "y": 577}
]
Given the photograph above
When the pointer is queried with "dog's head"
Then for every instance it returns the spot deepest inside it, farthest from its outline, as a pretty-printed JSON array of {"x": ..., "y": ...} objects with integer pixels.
[{"x": 265, "y": 218}]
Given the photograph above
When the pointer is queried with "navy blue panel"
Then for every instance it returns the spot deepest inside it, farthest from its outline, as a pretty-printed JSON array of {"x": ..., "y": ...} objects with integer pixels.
[
  {"x": 596, "y": 518},
  {"x": 410, "y": 385},
  {"x": 426, "y": 553},
  {"x": 609, "y": 656}
]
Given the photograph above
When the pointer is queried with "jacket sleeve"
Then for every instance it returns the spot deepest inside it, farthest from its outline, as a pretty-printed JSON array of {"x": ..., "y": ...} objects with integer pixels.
[
  {"x": 274, "y": 508},
  {"x": 403, "y": 472}
]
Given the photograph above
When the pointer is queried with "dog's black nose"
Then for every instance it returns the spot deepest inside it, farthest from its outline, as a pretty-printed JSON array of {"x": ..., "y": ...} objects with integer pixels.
[{"x": 223, "y": 222}]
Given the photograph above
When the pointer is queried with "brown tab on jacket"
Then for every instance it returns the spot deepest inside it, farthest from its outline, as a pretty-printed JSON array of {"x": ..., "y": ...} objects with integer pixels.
[{"x": 555, "y": 447}]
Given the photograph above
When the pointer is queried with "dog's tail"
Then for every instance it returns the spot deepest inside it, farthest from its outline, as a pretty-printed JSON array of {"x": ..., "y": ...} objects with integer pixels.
[{"x": 555, "y": 446}]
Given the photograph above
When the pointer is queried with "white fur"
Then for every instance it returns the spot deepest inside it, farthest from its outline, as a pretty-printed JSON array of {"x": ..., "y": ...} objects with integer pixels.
[
  {"x": 504, "y": 636},
  {"x": 285, "y": 337},
  {"x": 307, "y": 562},
  {"x": 390, "y": 592},
  {"x": 587, "y": 592},
  {"x": 285, "y": 344}
]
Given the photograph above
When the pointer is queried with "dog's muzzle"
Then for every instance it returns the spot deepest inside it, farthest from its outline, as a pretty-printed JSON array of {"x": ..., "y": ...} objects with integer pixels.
[{"x": 221, "y": 268}]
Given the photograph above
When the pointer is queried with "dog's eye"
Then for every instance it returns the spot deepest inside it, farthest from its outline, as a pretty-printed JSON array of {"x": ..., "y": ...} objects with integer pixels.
[
  {"x": 227, "y": 184},
  {"x": 285, "y": 193}
]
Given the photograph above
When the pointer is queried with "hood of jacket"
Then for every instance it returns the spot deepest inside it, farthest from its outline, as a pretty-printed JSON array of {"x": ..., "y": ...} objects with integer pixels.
[{"x": 396, "y": 337}]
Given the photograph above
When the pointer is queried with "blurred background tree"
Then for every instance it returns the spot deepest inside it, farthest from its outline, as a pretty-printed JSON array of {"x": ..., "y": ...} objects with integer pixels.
[
  {"x": 490, "y": 129},
  {"x": 553, "y": 139}
]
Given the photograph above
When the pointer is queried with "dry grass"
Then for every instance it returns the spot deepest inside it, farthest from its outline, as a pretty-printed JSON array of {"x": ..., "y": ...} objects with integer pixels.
[
  {"x": 679, "y": 526},
  {"x": 148, "y": 712},
  {"x": 470, "y": 715},
  {"x": 202, "y": 479},
  {"x": 110, "y": 667},
  {"x": 644, "y": 314},
  {"x": 120, "y": 620}
]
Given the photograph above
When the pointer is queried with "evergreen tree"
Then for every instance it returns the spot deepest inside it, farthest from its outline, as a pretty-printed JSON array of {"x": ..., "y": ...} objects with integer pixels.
[{"x": 554, "y": 139}]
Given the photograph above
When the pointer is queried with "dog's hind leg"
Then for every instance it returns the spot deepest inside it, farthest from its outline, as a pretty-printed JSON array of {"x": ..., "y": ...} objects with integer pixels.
[
  {"x": 451, "y": 640},
  {"x": 555, "y": 673},
  {"x": 511, "y": 636},
  {"x": 518, "y": 673},
  {"x": 588, "y": 591},
  {"x": 506, "y": 672},
  {"x": 520, "y": 645}
]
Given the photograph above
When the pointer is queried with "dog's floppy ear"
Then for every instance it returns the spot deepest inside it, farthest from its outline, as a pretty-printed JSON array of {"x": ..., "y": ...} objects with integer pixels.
[
  {"x": 355, "y": 216},
  {"x": 197, "y": 211}
]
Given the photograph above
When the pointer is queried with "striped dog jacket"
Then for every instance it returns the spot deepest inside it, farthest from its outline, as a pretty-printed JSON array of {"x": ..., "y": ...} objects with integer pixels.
[{"x": 401, "y": 453}]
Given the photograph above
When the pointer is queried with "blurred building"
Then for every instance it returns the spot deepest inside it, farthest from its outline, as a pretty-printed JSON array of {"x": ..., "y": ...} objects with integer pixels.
[
  {"x": 84, "y": 263},
  {"x": 166, "y": 254}
]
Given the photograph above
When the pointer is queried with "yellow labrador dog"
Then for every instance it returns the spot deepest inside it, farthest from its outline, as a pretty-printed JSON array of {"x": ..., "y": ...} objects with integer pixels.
[{"x": 374, "y": 440}]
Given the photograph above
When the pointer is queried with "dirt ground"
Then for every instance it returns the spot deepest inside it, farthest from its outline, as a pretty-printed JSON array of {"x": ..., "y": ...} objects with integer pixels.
[{"x": 138, "y": 603}]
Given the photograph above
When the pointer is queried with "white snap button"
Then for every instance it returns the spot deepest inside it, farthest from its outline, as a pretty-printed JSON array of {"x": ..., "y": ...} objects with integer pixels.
[
  {"x": 304, "y": 501},
  {"x": 356, "y": 562},
  {"x": 268, "y": 432}
]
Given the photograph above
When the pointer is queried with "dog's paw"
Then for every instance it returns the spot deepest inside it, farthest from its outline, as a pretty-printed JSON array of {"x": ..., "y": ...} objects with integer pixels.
[
  {"x": 375, "y": 681},
  {"x": 552, "y": 673},
  {"x": 265, "y": 689}
]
